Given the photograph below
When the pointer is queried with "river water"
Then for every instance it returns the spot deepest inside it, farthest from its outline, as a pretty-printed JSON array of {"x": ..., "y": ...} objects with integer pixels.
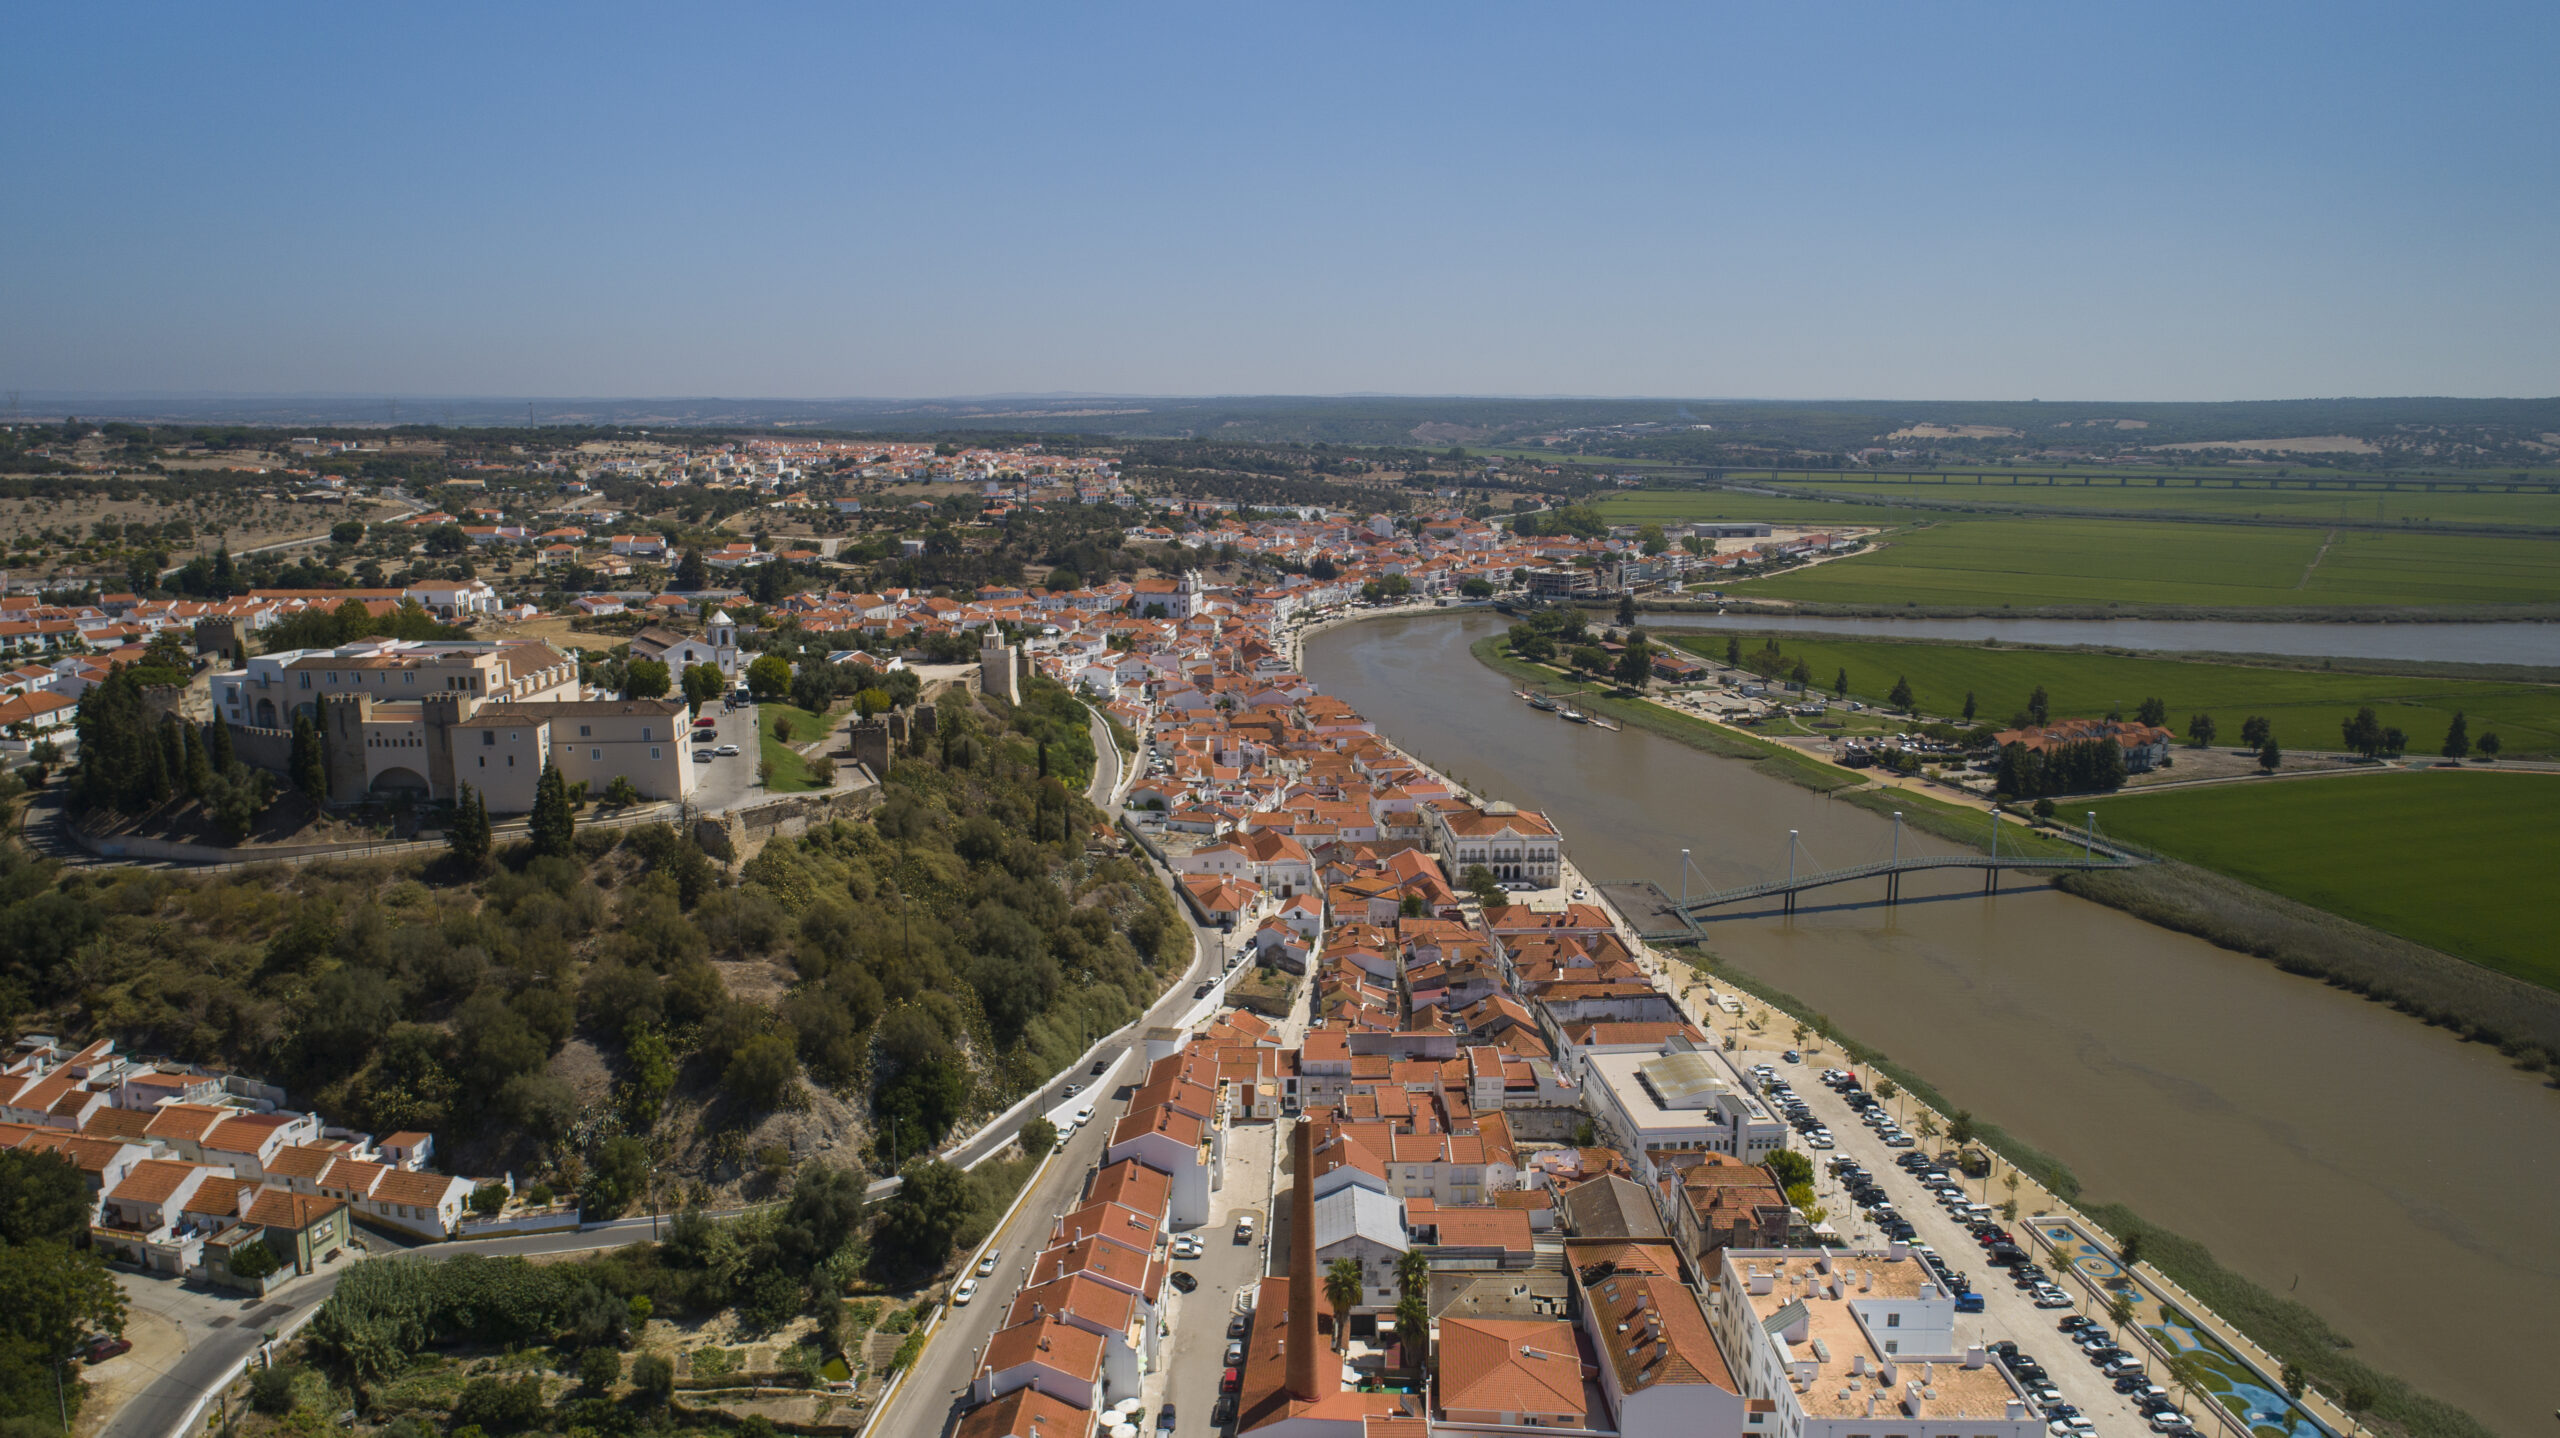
[
  {"x": 2400, "y": 1183},
  {"x": 2504, "y": 642}
]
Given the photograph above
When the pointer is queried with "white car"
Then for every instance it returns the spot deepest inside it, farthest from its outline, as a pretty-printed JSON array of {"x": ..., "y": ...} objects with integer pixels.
[
  {"x": 967, "y": 1290},
  {"x": 702, "y": 756},
  {"x": 1818, "y": 1141},
  {"x": 1188, "y": 1247},
  {"x": 986, "y": 1265},
  {"x": 726, "y": 751}
]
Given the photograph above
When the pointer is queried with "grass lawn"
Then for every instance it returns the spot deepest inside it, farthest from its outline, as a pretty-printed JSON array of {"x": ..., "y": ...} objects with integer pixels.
[
  {"x": 2027, "y": 562},
  {"x": 2177, "y": 497},
  {"x": 2449, "y": 858},
  {"x": 2306, "y": 705},
  {"x": 790, "y": 771}
]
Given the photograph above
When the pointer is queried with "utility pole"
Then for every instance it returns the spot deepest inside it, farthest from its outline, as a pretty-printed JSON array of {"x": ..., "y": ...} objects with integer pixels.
[
  {"x": 1684, "y": 880},
  {"x": 2089, "y": 838}
]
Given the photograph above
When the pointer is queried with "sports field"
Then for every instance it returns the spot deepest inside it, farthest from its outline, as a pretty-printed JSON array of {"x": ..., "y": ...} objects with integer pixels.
[
  {"x": 2453, "y": 859},
  {"x": 2444, "y": 506},
  {"x": 2306, "y": 705},
  {"x": 2029, "y": 562}
]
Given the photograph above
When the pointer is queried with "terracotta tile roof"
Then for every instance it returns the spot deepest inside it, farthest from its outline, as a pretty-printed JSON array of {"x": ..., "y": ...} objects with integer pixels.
[
  {"x": 1047, "y": 1341},
  {"x": 1508, "y": 1365},
  {"x": 278, "y": 1208},
  {"x": 1026, "y": 1413}
]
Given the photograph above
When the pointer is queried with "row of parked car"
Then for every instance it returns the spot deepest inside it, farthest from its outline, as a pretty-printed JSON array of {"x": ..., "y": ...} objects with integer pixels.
[{"x": 1870, "y": 1110}]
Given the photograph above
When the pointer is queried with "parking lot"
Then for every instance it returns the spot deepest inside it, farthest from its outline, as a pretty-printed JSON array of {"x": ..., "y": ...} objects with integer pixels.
[{"x": 2008, "y": 1315}]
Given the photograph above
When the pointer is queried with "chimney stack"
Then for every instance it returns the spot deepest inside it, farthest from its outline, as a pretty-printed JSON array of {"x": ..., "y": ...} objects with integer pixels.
[{"x": 1307, "y": 1374}]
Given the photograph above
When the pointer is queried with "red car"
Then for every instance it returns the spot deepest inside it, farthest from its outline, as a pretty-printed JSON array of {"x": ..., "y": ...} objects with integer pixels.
[
  {"x": 1231, "y": 1380},
  {"x": 103, "y": 1347}
]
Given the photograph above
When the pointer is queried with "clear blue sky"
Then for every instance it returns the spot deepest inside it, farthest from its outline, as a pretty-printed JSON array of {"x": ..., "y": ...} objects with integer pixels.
[{"x": 1939, "y": 200}]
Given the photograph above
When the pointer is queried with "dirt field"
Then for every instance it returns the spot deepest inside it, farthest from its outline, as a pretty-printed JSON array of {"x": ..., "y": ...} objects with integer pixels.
[{"x": 243, "y": 520}]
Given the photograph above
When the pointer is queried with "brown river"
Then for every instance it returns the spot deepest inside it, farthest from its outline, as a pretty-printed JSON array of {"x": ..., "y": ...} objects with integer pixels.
[{"x": 2402, "y": 1184}]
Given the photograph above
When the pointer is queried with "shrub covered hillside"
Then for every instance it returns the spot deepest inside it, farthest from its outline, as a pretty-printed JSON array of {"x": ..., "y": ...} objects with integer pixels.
[{"x": 636, "y": 1006}]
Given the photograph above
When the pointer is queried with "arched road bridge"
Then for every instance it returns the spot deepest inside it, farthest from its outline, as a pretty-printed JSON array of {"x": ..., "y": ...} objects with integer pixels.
[{"x": 1689, "y": 909}]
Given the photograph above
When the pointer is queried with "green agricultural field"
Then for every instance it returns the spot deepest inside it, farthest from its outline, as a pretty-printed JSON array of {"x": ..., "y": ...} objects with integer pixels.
[
  {"x": 1693, "y": 506},
  {"x": 2448, "y": 858},
  {"x": 2306, "y": 705},
  {"x": 2026, "y": 563},
  {"x": 2178, "y": 498}
]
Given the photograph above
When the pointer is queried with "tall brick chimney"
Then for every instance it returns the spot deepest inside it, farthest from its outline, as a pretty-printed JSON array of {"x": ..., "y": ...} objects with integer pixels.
[{"x": 1308, "y": 1376}]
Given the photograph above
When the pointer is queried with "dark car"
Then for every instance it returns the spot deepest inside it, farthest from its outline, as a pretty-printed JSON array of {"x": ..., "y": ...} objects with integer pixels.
[
  {"x": 1100, "y": 1066},
  {"x": 2076, "y": 1322},
  {"x": 1164, "y": 1419},
  {"x": 104, "y": 1347},
  {"x": 1183, "y": 1280},
  {"x": 1202, "y": 992},
  {"x": 2005, "y": 1349},
  {"x": 1224, "y": 1413}
]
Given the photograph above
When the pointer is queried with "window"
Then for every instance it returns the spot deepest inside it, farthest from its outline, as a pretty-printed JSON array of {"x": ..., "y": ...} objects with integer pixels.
[
  {"x": 1893, "y": 1320},
  {"x": 484, "y": 761},
  {"x": 595, "y": 756},
  {"x": 408, "y": 678},
  {"x": 488, "y": 738},
  {"x": 653, "y": 753},
  {"x": 511, "y": 761},
  {"x": 586, "y": 731},
  {"x": 1893, "y": 1345},
  {"x": 306, "y": 681}
]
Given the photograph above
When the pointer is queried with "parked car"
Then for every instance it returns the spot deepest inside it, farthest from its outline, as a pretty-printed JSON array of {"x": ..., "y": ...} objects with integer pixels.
[
  {"x": 1231, "y": 1380},
  {"x": 726, "y": 751},
  {"x": 104, "y": 1347},
  {"x": 1235, "y": 1354},
  {"x": 1792, "y": 1056},
  {"x": 1164, "y": 1419},
  {"x": 967, "y": 1290},
  {"x": 1182, "y": 1279},
  {"x": 986, "y": 1265},
  {"x": 1224, "y": 1412},
  {"x": 1244, "y": 1228},
  {"x": 1239, "y": 1325},
  {"x": 2053, "y": 1298}
]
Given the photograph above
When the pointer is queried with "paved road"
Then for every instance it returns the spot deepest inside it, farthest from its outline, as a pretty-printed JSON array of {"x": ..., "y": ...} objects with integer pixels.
[
  {"x": 212, "y": 1351},
  {"x": 1105, "y": 787},
  {"x": 931, "y": 1399}
]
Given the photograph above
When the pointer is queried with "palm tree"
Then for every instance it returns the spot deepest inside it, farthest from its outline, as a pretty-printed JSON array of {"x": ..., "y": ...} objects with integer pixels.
[
  {"x": 1886, "y": 1092},
  {"x": 1928, "y": 1125},
  {"x": 1342, "y": 1289},
  {"x": 1413, "y": 1273},
  {"x": 2120, "y": 1309}
]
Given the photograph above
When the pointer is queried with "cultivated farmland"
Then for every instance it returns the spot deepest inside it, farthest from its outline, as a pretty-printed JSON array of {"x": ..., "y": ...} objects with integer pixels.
[
  {"x": 2029, "y": 563},
  {"x": 2306, "y": 705},
  {"x": 2178, "y": 498},
  {"x": 1697, "y": 506},
  {"x": 2408, "y": 853}
]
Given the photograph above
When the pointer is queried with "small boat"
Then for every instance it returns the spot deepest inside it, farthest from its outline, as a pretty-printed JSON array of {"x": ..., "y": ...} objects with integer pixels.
[
  {"x": 1596, "y": 722},
  {"x": 1541, "y": 701},
  {"x": 1571, "y": 715}
]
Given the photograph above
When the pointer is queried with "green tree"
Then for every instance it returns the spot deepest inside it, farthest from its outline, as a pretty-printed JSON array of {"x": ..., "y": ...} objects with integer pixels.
[
  {"x": 2296, "y": 1382},
  {"x": 644, "y": 679},
  {"x": 1342, "y": 1285},
  {"x": 598, "y": 1370},
  {"x": 2490, "y": 743},
  {"x": 51, "y": 1298},
  {"x": 2200, "y": 730},
  {"x": 1960, "y": 1128},
  {"x": 1635, "y": 663},
  {"x": 1802, "y": 675},
  {"x": 42, "y": 1198},
  {"x": 1901, "y": 698},
  {"x": 1626, "y": 610},
  {"x": 2120, "y": 1308},
  {"x": 621, "y": 793},
  {"x": 2129, "y": 1249},
  {"x": 617, "y": 1179},
  {"x": 653, "y": 1379},
  {"x": 1733, "y": 651},
  {"x": 1840, "y": 684},
  {"x": 2457, "y": 737},
  {"x": 1037, "y": 1135},
  {"x": 762, "y": 1072},
  {"x": 306, "y": 766},
  {"x": 1788, "y": 1167},
  {"x": 553, "y": 827},
  {"x": 2039, "y": 707},
  {"x": 2363, "y": 732},
  {"x": 1479, "y": 881},
  {"x": 922, "y": 1218},
  {"x": 2154, "y": 712},
  {"x": 702, "y": 684},
  {"x": 2255, "y": 731},
  {"x": 467, "y": 836},
  {"x": 271, "y": 1390},
  {"x": 1968, "y": 706},
  {"x": 2270, "y": 755},
  {"x": 691, "y": 573},
  {"x": 769, "y": 677}
]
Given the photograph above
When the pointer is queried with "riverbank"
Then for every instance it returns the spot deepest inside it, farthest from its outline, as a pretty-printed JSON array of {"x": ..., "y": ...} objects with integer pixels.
[
  {"x": 2204, "y": 1089},
  {"x": 2519, "y": 1019},
  {"x": 1741, "y": 606},
  {"x": 2271, "y": 1330}
]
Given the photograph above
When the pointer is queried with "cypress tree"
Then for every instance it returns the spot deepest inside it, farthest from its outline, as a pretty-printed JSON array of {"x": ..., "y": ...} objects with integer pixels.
[
  {"x": 218, "y": 747},
  {"x": 155, "y": 785},
  {"x": 468, "y": 837},
  {"x": 199, "y": 769},
  {"x": 554, "y": 828},
  {"x": 309, "y": 770},
  {"x": 2457, "y": 737}
]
